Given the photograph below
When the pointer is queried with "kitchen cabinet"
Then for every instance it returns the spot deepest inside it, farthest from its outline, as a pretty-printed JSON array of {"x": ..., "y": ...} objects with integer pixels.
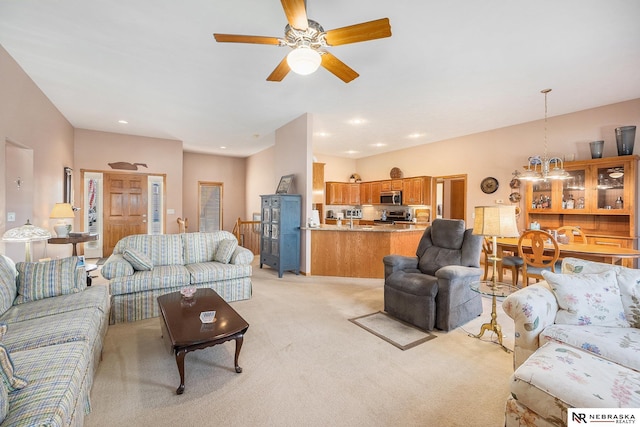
[
  {"x": 354, "y": 194},
  {"x": 280, "y": 237},
  {"x": 333, "y": 193},
  {"x": 599, "y": 197},
  {"x": 342, "y": 193},
  {"x": 416, "y": 190},
  {"x": 391, "y": 184},
  {"x": 318, "y": 183},
  {"x": 365, "y": 193},
  {"x": 370, "y": 193}
]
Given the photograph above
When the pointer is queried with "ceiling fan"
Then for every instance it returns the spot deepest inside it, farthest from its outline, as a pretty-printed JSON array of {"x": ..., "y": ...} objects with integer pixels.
[{"x": 307, "y": 39}]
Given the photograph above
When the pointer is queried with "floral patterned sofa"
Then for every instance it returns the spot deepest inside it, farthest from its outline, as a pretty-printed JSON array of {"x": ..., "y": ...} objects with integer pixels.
[
  {"x": 142, "y": 267},
  {"x": 577, "y": 343}
]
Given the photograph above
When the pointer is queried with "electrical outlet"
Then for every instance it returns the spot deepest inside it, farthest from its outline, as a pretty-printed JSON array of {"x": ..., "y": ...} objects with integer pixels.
[
  {"x": 11, "y": 216},
  {"x": 499, "y": 201}
]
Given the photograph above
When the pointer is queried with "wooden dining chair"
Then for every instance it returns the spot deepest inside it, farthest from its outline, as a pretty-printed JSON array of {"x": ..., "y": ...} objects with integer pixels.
[
  {"x": 512, "y": 263},
  {"x": 573, "y": 234},
  {"x": 183, "y": 225},
  {"x": 537, "y": 257}
]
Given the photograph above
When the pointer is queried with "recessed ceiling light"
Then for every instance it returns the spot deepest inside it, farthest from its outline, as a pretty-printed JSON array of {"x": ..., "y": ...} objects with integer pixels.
[
  {"x": 222, "y": 147},
  {"x": 415, "y": 135},
  {"x": 379, "y": 144},
  {"x": 357, "y": 121},
  {"x": 352, "y": 152},
  {"x": 124, "y": 122},
  {"x": 322, "y": 134}
]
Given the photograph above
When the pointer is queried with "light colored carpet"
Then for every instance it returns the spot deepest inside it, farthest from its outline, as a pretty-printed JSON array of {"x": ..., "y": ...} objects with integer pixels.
[
  {"x": 305, "y": 363},
  {"x": 393, "y": 331}
]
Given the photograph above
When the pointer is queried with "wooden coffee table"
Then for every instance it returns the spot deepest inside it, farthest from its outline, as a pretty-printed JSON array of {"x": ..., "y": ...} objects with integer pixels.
[{"x": 183, "y": 331}]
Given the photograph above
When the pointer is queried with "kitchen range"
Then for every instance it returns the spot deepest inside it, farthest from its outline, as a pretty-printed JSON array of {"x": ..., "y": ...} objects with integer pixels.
[{"x": 393, "y": 216}]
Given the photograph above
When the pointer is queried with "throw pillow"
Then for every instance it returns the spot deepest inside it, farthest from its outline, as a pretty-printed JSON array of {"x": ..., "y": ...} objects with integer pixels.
[
  {"x": 10, "y": 380},
  {"x": 38, "y": 280},
  {"x": 225, "y": 250},
  {"x": 8, "y": 290},
  {"x": 629, "y": 283},
  {"x": 138, "y": 260},
  {"x": 587, "y": 299}
]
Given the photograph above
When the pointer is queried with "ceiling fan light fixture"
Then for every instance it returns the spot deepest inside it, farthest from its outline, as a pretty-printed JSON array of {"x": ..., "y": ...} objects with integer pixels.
[{"x": 303, "y": 60}]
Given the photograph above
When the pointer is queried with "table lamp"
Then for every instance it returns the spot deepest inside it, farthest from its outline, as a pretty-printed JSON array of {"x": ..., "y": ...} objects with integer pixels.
[
  {"x": 27, "y": 233},
  {"x": 62, "y": 211},
  {"x": 495, "y": 221}
]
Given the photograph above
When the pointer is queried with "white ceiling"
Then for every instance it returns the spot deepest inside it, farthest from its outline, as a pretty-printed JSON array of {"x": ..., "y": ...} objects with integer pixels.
[{"x": 451, "y": 68}]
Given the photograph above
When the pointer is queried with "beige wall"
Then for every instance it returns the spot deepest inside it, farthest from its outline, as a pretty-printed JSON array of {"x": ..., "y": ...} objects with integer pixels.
[
  {"x": 261, "y": 179},
  {"x": 230, "y": 171},
  {"x": 338, "y": 168},
  {"x": 94, "y": 150},
  {"x": 28, "y": 118}
]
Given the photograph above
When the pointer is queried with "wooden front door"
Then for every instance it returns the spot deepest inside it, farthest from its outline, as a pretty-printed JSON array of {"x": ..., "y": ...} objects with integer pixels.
[{"x": 125, "y": 208}]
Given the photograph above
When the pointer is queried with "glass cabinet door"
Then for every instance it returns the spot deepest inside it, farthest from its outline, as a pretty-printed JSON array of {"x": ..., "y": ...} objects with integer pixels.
[
  {"x": 573, "y": 190},
  {"x": 610, "y": 187},
  {"x": 541, "y": 195}
]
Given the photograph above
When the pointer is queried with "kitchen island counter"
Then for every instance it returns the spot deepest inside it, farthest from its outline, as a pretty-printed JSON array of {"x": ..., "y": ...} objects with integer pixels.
[
  {"x": 358, "y": 251},
  {"x": 385, "y": 228}
]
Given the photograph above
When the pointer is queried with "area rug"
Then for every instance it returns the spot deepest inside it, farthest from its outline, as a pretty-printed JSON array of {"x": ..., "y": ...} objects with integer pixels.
[{"x": 394, "y": 331}]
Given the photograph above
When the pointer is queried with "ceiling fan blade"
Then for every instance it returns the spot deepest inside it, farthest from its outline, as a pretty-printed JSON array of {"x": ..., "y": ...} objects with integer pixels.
[
  {"x": 238, "y": 38},
  {"x": 338, "y": 68},
  {"x": 296, "y": 13},
  {"x": 280, "y": 71},
  {"x": 371, "y": 30}
]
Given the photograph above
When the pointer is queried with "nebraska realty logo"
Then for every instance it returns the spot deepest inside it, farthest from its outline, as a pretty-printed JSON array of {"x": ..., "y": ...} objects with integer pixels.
[{"x": 602, "y": 416}]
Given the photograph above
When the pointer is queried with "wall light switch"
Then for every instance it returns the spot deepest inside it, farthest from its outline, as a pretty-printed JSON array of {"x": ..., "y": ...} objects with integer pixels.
[
  {"x": 11, "y": 216},
  {"x": 171, "y": 211}
]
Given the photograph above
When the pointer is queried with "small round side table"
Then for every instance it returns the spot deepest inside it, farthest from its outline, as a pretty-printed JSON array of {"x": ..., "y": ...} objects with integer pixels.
[{"x": 494, "y": 289}]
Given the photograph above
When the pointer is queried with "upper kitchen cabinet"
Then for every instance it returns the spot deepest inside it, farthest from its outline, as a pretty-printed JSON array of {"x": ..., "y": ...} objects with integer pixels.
[
  {"x": 370, "y": 193},
  {"x": 599, "y": 197},
  {"x": 416, "y": 190},
  {"x": 391, "y": 184},
  {"x": 342, "y": 193}
]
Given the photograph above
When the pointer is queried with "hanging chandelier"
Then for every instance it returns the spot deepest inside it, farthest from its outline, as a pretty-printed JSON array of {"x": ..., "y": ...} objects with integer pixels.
[{"x": 545, "y": 167}]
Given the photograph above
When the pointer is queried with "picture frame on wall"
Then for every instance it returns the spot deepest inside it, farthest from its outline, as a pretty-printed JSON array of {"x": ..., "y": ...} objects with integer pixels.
[{"x": 285, "y": 185}]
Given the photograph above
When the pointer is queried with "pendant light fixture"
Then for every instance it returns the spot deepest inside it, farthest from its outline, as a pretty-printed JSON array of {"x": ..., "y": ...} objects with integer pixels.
[{"x": 549, "y": 167}]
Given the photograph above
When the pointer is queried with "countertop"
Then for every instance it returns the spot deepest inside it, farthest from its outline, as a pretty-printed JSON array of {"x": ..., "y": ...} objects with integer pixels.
[{"x": 386, "y": 228}]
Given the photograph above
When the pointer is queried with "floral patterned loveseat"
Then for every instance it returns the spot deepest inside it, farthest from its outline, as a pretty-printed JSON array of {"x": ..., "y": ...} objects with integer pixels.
[{"x": 577, "y": 343}]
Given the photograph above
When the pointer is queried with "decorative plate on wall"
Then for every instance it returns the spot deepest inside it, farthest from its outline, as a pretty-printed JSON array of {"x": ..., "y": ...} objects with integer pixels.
[
  {"x": 514, "y": 197},
  {"x": 395, "y": 173},
  {"x": 489, "y": 185}
]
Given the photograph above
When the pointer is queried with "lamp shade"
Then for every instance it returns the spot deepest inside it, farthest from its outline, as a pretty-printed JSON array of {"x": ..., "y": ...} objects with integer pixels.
[
  {"x": 62, "y": 210},
  {"x": 499, "y": 221},
  {"x": 26, "y": 233},
  {"x": 303, "y": 60}
]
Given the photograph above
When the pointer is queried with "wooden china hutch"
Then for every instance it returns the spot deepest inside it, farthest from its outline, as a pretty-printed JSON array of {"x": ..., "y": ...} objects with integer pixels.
[{"x": 599, "y": 197}]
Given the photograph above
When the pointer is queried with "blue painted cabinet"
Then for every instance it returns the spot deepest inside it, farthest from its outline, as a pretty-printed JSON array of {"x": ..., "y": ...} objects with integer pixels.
[{"x": 280, "y": 238}]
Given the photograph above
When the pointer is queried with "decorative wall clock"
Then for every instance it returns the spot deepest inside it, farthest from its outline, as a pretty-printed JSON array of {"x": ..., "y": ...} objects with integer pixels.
[{"x": 489, "y": 185}]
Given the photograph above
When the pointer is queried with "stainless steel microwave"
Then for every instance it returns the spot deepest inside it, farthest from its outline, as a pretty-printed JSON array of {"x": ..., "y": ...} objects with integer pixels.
[{"x": 391, "y": 198}]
